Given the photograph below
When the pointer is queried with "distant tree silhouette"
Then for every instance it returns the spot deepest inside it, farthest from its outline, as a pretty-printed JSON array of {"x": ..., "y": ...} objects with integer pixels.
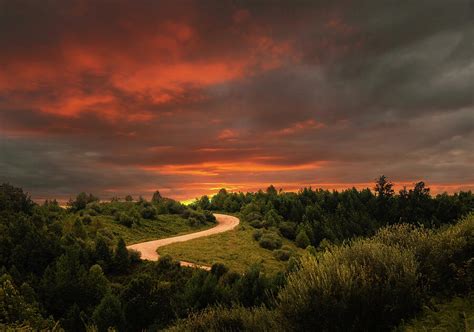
[{"x": 157, "y": 198}]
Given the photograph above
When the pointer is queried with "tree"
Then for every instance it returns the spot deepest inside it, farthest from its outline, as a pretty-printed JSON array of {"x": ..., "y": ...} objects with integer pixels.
[
  {"x": 302, "y": 239},
  {"x": 146, "y": 301},
  {"x": 384, "y": 192},
  {"x": 271, "y": 191},
  {"x": 103, "y": 255},
  {"x": 14, "y": 308},
  {"x": 204, "y": 203},
  {"x": 108, "y": 313},
  {"x": 383, "y": 187},
  {"x": 14, "y": 199},
  {"x": 121, "y": 258},
  {"x": 128, "y": 198},
  {"x": 157, "y": 198},
  {"x": 81, "y": 201}
]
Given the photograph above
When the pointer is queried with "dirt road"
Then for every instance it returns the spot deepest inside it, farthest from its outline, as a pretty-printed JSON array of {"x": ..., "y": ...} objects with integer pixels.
[{"x": 148, "y": 249}]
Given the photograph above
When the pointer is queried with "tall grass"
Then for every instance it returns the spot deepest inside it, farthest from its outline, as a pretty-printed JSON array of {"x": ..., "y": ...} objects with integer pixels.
[{"x": 230, "y": 319}]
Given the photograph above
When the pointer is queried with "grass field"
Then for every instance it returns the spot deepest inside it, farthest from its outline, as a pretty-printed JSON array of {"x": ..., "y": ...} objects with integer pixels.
[
  {"x": 165, "y": 225},
  {"x": 236, "y": 249}
]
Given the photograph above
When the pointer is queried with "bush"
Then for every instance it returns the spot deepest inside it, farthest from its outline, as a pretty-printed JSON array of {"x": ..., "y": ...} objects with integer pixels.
[
  {"x": 287, "y": 229},
  {"x": 345, "y": 288},
  {"x": 148, "y": 212},
  {"x": 253, "y": 216},
  {"x": 125, "y": 219},
  {"x": 230, "y": 319},
  {"x": 257, "y": 234},
  {"x": 209, "y": 216},
  {"x": 256, "y": 224},
  {"x": 193, "y": 222},
  {"x": 198, "y": 216},
  {"x": 135, "y": 255},
  {"x": 270, "y": 241},
  {"x": 282, "y": 255},
  {"x": 302, "y": 239},
  {"x": 86, "y": 220},
  {"x": 446, "y": 257}
]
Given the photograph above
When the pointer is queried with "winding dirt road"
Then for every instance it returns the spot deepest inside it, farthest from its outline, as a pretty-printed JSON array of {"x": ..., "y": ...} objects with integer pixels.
[{"x": 148, "y": 249}]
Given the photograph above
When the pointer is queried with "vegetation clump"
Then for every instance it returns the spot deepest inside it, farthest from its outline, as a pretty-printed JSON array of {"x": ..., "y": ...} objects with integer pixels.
[{"x": 270, "y": 241}]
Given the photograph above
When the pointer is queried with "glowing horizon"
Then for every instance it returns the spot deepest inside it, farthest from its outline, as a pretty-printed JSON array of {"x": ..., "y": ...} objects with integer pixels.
[{"x": 186, "y": 97}]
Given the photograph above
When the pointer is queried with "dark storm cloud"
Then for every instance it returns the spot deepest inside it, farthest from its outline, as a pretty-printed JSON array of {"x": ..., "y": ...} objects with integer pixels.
[{"x": 126, "y": 96}]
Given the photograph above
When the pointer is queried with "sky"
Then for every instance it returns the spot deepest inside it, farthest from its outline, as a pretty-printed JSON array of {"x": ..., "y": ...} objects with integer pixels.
[{"x": 127, "y": 97}]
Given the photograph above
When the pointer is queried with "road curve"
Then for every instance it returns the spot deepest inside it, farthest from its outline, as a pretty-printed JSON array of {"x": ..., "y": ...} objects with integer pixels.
[{"x": 148, "y": 249}]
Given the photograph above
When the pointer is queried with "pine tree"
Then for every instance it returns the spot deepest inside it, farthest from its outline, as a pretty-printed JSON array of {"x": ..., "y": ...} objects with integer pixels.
[{"x": 121, "y": 258}]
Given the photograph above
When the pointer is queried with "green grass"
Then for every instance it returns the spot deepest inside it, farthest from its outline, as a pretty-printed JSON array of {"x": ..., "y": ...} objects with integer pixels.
[
  {"x": 455, "y": 315},
  {"x": 236, "y": 249},
  {"x": 165, "y": 225}
]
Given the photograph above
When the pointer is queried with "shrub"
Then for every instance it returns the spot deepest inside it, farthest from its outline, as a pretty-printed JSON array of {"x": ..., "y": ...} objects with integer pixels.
[
  {"x": 125, "y": 219},
  {"x": 345, "y": 288},
  {"x": 219, "y": 269},
  {"x": 281, "y": 254},
  {"x": 197, "y": 215},
  {"x": 449, "y": 266},
  {"x": 193, "y": 222},
  {"x": 135, "y": 255},
  {"x": 270, "y": 241},
  {"x": 86, "y": 220},
  {"x": 446, "y": 257},
  {"x": 108, "y": 313},
  {"x": 287, "y": 229},
  {"x": 148, "y": 212},
  {"x": 302, "y": 239},
  {"x": 230, "y": 319},
  {"x": 256, "y": 224},
  {"x": 257, "y": 234},
  {"x": 272, "y": 218},
  {"x": 209, "y": 216},
  {"x": 253, "y": 216}
]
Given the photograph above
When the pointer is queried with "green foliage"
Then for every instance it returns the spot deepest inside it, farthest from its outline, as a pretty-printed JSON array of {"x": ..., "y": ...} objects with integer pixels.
[
  {"x": 148, "y": 212},
  {"x": 16, "y": 308},
  {"x": 282, "y": 254},
  {"x": 146, "y": 300},
  {"x": 302, "y": 239},
  {"x": 338, "y": 216},
  {"x": 128, "y": 219},
  {"x": 364, "y": 284},
  {"x": 237, "y": 249},
  {"x": 13, "y": 199},
  {"x": 257, "y": 234},
  {"x": 81, "y": 201},
  {"x": 454, "y": 315},
  {"x": 446, "y": 257},
  {"x": 121, "y": 257},
  {"x": 345, "y": 288},
  {"x": 108, "y": 313},
  {"x": 287, "y": 230},
  {"x": 270, "y": 241},
  {"x": 103, "y": 254},
  {"x": 229, "y": 319}
]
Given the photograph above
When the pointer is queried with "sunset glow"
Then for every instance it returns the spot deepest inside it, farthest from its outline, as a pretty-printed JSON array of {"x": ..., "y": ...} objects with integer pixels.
[{"x": 127, "y": 97}]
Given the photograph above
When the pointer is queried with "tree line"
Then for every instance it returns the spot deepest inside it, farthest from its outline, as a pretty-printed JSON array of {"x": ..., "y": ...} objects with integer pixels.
[{"x": 318, "y": 216}]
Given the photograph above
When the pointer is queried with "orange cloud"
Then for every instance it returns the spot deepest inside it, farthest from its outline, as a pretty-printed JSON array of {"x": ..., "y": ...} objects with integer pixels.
[
  {"x": 309, "y": 124},
  {"x": 216, "y": 168}
]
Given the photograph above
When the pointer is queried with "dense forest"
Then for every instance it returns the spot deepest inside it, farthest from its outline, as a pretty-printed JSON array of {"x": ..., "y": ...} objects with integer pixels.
[{"x": 372, "y": 260}]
